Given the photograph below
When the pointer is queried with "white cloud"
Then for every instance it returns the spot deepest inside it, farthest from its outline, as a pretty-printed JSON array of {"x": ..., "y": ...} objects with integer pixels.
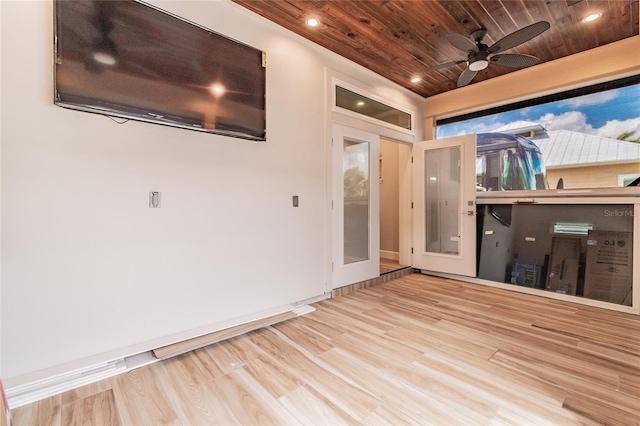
[
  {"x": 485, "y": 128},
  {"x": 574, "y": 121},
  {"x": 475, "y": 128},
  {"x": 592, "y": 99},
  {"x": 615, "y": 128}
]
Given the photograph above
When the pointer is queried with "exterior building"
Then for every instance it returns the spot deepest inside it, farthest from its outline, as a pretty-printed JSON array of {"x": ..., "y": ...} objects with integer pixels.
[{"x": 581, "y": 160}]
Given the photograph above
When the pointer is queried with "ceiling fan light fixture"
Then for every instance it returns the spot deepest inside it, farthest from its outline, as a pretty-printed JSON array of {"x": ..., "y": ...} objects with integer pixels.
[
  {"x": 104, "y": 52},
  {"x": 478, "y": 65},
  {"x": 592, "y": 17},
  {"x": 104, "y": 58}
]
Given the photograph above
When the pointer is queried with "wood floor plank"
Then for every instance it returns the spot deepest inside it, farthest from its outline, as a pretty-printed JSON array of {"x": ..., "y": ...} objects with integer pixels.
[
  {"x": 612, "y": 354},
  {"x": 141, "y": 398},
  {"x": 318, "y": 327},
  {"x": 85, "y": 391},
  {"x": 248, "y": 401},
  {"x": 46, "y": 412},
  {"x": 271, "y": 374},
  {"x": 97, "y": 409},
  {"x": 187, "y": 394},
  {"x": 551, "y": 373},
  {"x": 596, "y": 410},
  {"x": 377, "y": 351},
  {"x": 630, "y": 384},
  {"x": 308, "y": 409},
  {"x": 532, "y": 336},
  {"x": 432, "y": 337},
  {"x": 402, "y": 399},
  {"x": 397, "y": 317},
  {"x": 444, "y": 398},
  {"x": 216, "y": 360},
  {"x": 417, "y": 350},
  {"x": 490, "y": 390},
  {"x": 310, "y": 341},
  {"x": 356, "y": 401}
]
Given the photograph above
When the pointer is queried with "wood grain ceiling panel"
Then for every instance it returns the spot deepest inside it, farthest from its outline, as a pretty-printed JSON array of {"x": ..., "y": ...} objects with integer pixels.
[{"x": 399, "y": 39}]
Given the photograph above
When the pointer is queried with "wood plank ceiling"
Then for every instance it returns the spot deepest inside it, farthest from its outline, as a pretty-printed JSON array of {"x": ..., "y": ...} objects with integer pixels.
[{"x": 399, "y": 39}]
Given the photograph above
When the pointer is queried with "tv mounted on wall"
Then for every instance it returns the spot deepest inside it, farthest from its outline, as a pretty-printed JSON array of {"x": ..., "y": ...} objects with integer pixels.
[{"x": 131, "y": 60}]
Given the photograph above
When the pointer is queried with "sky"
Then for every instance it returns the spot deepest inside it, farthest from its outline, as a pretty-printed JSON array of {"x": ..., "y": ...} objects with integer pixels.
[{"x": 606, "y": 114}]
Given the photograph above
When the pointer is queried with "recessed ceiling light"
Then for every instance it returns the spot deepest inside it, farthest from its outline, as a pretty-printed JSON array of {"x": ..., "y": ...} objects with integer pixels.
[
  {"x": 415, "y": 79},
  {"x": 360, "y": 103},
  {"x": 313, "y": 22},
  {"x": 592, "y": 17}
]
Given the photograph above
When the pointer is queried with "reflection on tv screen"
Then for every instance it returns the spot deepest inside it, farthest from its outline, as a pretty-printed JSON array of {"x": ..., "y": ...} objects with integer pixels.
[{"x": 131, "y": 60}]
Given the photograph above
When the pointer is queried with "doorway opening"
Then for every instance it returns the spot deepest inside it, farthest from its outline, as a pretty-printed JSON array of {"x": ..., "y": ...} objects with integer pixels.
[{"x": 390, "y": 179}]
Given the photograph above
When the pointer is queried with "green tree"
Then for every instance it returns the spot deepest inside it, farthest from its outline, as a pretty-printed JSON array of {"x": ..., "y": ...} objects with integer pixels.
[{"x": 356, "y": 183}]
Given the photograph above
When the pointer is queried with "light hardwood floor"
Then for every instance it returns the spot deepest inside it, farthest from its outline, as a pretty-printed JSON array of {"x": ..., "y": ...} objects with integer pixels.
[
  {"x": 417, "y": 350},
  {"x": 388, "y": 265}
]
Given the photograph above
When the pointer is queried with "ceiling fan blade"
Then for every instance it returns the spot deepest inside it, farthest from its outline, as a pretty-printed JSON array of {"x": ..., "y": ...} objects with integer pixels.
[
  {"x": 466, "y": 77},
  {"x": 514, "y": 60},
  {"x": 518, "y": 37},
  {"x": 462, "y": 42},
  {"x": 440, "y": 66}
]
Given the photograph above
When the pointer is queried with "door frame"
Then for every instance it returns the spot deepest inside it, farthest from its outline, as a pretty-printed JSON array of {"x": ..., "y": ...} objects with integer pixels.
[
  {"x": 405, "y": 183},
  {"x": 334, "y": 115}
]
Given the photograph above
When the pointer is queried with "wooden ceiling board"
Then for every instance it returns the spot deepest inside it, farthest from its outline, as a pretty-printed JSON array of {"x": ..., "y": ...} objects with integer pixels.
[{"x": 399, "y": 39}]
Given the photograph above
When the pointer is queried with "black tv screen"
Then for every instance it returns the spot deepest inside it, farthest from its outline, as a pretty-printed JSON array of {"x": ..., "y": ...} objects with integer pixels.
[{"x": 131, "y": 60}]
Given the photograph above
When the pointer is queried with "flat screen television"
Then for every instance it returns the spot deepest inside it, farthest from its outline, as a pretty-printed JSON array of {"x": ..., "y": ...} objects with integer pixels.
[{"x": 131, "y": 60}]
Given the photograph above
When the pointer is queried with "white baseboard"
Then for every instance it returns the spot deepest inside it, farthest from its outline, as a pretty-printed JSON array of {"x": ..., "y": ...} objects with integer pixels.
[
  {"x": 29, "y": 388},
  {"x": 391, "y": 255}
]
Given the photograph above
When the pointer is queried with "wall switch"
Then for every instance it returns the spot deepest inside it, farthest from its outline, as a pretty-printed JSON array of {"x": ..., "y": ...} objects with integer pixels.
[
  {"x": 295, "y": 201},
  {"x": 154, "y": 199}
]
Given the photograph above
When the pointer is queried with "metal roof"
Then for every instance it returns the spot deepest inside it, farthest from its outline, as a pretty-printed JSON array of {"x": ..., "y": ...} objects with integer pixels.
[{"x": 563, "y": 148}]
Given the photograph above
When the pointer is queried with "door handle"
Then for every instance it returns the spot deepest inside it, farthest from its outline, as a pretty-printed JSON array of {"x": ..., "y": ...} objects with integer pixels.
[{"x": 469, "y": 213}]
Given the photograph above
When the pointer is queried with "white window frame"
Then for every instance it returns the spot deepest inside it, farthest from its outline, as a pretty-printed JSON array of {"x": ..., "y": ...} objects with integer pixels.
[
  {"x": 341, "y": 83},
  {"x": 621, "y": 178}
]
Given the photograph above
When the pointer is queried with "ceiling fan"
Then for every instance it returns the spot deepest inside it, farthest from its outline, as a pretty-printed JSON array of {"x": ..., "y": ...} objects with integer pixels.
[{"x": 480, "y": 56}]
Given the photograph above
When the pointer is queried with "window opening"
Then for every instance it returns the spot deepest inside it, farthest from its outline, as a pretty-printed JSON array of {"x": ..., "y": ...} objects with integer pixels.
[{"x": 585, "y": 138}]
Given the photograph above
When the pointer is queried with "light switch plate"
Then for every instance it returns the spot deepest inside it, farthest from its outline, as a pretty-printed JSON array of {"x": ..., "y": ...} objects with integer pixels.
[{"x": 154, "y": 199}]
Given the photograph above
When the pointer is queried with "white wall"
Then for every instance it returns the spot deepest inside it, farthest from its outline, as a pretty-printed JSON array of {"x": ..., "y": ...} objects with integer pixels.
[
  {"x": 1, "y": 414},
  {"x": 88, "y": 268}
]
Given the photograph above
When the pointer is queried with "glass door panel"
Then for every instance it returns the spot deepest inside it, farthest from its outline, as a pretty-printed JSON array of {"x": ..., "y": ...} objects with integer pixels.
[
  {"x": 356, "y": 163},
  {"x": 442, "y": 190}
]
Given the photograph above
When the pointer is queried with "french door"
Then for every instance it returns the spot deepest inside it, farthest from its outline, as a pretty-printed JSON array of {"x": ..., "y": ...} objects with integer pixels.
[
  {"x": 355, "y": 211},
  {"x": 444, "y": 211}
]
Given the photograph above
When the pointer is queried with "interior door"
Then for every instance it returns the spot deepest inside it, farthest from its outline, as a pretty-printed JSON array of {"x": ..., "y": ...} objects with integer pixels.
[
  {"x": 355, "y": 214},
  {"x": 444, "y": 213}
]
